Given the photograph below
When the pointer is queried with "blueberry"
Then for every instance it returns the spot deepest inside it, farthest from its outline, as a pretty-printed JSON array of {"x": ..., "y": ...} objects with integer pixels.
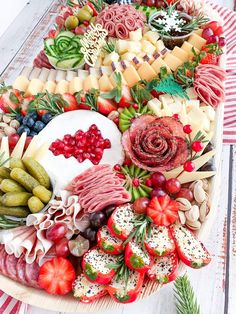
[
  {"x": 33, "y": 133},
  {"x": 38, "y": 126},
  {"x": 33, "y": 115},
  {"x": 19, "y": 117},
  {"x": 22, "y": 129},
  {"x": 28, "y": 121},
  {"x": 47, "y": 117}
]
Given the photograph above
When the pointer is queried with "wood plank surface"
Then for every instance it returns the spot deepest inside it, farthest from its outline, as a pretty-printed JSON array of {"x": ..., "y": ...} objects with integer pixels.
[{"x": 214, "y": 285}]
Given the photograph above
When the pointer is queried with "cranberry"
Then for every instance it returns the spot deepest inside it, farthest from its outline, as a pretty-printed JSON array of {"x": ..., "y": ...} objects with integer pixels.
[
  {"x": 197, "y": 146},
  {"x": 136, "y": 106},
  {"x": 117, "y": 167},
  {"x": 189, "y": 166},
  {"x": 187, "y": 129},
  {"x": 120, "y": 175},
  {"x": 176, "y": 116},
  {"x": 222, "y": 42},
  {"x": 136, "y": 182}
]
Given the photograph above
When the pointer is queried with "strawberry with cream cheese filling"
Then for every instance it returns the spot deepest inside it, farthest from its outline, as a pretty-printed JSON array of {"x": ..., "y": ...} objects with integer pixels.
[
  {"x": 95, "y": 266},
  {"x": 190, "y": 249},
  {"x": 108, "y": 243},
  {"x": 164, "y": 268}
]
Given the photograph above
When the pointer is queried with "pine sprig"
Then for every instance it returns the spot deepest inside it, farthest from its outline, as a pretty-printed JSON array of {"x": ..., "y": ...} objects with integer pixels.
[{"x": 186, "y": 302}]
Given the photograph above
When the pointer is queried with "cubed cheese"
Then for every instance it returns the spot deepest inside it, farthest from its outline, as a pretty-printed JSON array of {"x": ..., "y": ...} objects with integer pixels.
[
  {"x": 128, "y": 56},
  {"x": 152, "y": 37},
  {"x": 21, "y": 83},
  {"x": 158, "y": 64},
  {"x": 111, "y": 57},
  {"x": 191, "y": 93},
  {"x": 76, "y": 85},
  {"x": 147, "y": 47},
  {"x": 180, "y": 53},
  {"x": 166, "y": 98},
  {"x": 197, "y": 41},
  {"x": 106, "y": 70},
  {"x": 136, "y": 35},
  {"x": 191, "y": 104},
  {"x": 175, "y": 107},
  {"x": 35, "y": 86},
  {"x": 155, "y": 105},
  {"x": 95, "y": 72},
  {"x": 113, "y": 80},
  {"x": 188, "y": 48},
  {"x": 105, "y": 83},
  {"x": 131, "y": 76},
  {"x": 209, "y": 111},
  {"x": 99, "y": 61},
  {"x": 122, "y": 46},
  {"x": 198, "y": 118},
  {"x": 90, "y": 82},
  {"x": 50, "y": 86},
  {"x": 172, "y": 61},
  {"x": 159, "y": 45},
  {"x": 146, "y": 72},
  {"x": 134, "y": 47}
]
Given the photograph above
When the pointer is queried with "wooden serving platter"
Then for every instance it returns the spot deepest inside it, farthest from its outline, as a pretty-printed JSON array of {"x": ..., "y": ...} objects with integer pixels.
[{"x": 68, "y": 303}]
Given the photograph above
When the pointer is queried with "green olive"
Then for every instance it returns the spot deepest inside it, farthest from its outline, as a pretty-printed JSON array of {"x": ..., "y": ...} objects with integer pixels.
[
  {"x": 71, "y": 22},
  {"x": 88, "y": 8},
  {"x": 93, "y": 20},
  {"x": 84, "y": 15}
]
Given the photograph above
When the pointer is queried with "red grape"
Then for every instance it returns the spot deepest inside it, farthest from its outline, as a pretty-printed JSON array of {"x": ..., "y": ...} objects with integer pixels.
[
  {"x": 140, "y": 205},
  {"x": 56, "y": 232},
  {"x": 213, "y": 25},
  {"x": 78, "y": 246},
  {"x": 173, "y": 186},
  {"x": 189, "y": 166},
  {"x": 27, "y": 142},
  {"x": 207, "y": 33},
  {"x": 151, "y": 3},
  {"x": 185, "y": 193},
  {"x": 158, "y": 192},
  {"x": 62, "y": 248},
  {"x": 12, "y": 140},
  {"x": 197, "y": 146},
  {"x": 212, "y": 39},
  {"x": 158, "y": 180},
  {"x": 222, "y": 42}
]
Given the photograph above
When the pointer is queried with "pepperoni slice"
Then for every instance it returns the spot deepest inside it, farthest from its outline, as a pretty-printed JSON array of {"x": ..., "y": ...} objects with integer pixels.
[
  {"x": 32, "y": 274},
  {"x": 20, "y": 270},
  {"x": 10, "y": 263}
]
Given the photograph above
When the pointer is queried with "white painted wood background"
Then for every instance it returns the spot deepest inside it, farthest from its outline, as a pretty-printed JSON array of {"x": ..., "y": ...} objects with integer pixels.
[{"x": 20, "y": 26}]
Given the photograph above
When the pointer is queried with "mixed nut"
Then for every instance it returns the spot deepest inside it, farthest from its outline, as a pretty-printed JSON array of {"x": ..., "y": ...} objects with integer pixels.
[{"x": 8, "y": 125}]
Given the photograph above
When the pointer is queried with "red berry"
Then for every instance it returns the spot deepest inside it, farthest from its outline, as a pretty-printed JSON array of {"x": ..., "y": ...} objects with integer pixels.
[
  {"x": 136, "y": 106},
  {"x": 158, "y": 192},
  {"x": 187, "y": 129},
  {"x": 222, "y": 42},
  {"x": 120, "y": 175},
  {"x": 213, "y": 25},
  {"x": 117, "y": 167},
  {"x": 189, "y": 166},
  {"x": 197, "y": 146},
  {"x": 136, "y": 182},
  {"x": 213, "y": 39},
  {"x": 173, "y": 186},
  {"x": 158, "y": 180},
  {"x": 127, "y": 162},
  {"x": 176, "y": 116},
  {"x": 148, "y": 182}
]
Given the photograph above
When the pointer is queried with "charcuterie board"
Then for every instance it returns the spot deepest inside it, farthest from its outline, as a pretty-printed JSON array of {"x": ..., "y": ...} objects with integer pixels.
[{"x": 138, "y": 89}]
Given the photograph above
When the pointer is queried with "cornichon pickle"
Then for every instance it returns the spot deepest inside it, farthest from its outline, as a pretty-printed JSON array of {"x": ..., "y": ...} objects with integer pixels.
[
  {"x": 37, "y": 171},
  {"x": 15, "y": 199},
  {"x": 25, "y": 179},
  {"x": 42, "y": 193},
  {"x": 9, "y": 185},
  {"x": 16, "y": 163},
  {"x": 18, "y": 211},
  {"x": 35, "y": 205},
  {"x": 5, "y": 173}
]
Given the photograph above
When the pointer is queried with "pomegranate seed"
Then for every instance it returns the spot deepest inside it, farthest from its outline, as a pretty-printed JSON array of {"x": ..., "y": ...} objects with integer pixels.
[
  {"x": 107, "y": 143},
  {"x": 197, "y": 146},
  {"x": 127, "y": 162},
  {"x": 187, "y": 129},
  {"x": 148, "y": 182},
  {"x": 136, "y": 182},
  {"x": 67, "y": 155},
  {"x": 93, "y": 127},
  {"x": 56, "y": 153},
  {"x": 120, "y": 175},
  {"x": 189, "y": 166},
  {"x": 135, "y": 106},
  {"x": 101, "y": 144},
  {"x": 176, "y": 116},
  {"x": 68, "y": 149},
  {"x": 67, "y": 137},
  {"x": 117, "y": 167}
]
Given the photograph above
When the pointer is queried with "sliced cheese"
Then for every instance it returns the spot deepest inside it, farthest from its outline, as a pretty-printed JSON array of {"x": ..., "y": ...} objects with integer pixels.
[
  {"x": 199, "y": 162},
  {"x": 62, "y": 87},
  {"x": 158, "y": 64},
  {"x": 35, "y": 86},
  {"x": 111, "y": 57},
  {"x": 32, "y": 148},
  {"x": 21, "y": 83},
  {"x": 136, "y": 35},
  {"x": 19, "y": 148},
  {"x": 122, "y": 46},
  {"x": 4, "y": 150},
  {"x": 113, "y": 81},
  {"x": 155, "y": 105},
  {"x": 50, "y": 86},
  {"x": 83, "y": 73},
  {"x": 159, "y": 45},
  {"x": 106, "y": 70},
  {"x": 180, "y": 53},
  {"x": 105, "y": 83},
  {"x": 152, "y": 37},
  {"x": 131, "y": 76},
  {"x": 90, "y": 82},
  {"x": 95, "y": 72},
  {"x": 128, "y": 56},
  {"x": 172, "y": 61},
  {"x": 41, "y": 151},
  {"x": 76, "y": 85},
  {"x": 147, "y": 47},
  {"x": 188, "y": 48},
  {"x": 134, "y": 46},
  {"x": 146, "y": 72},
  {"x": 193, "y": 176},
  {"x": 197, "y": 41}
]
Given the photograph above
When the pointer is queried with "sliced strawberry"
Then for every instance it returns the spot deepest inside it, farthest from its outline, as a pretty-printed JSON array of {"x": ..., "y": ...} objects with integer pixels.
[
  {"x": 25, "y": 104},
  {"x": 70, "y": 102},
  {"x": 57, "y": 276},
  {"x": 10, "y": 99},
  {"x": 163, "y": 210},
  {"x": 126, "y": 97},
  {"x": 105, "y": 106}
]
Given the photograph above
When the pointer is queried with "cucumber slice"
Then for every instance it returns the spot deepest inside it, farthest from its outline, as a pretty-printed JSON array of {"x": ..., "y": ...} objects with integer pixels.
[
  {"x": 65, "y": 34},
  {"x": 69, "y": 64}
]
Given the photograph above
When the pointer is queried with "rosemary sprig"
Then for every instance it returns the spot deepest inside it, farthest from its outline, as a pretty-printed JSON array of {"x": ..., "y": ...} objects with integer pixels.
[
  {"x": 140, "y": 94},
  {"x": 122, "y": 271},
  {"x": 194, "y": 23},
  {"x": 186, "y": 302},
  {"x": 91, "y": 99},
  {"x": 6, "y": 223},
  {"x": 109, "y": 47}
]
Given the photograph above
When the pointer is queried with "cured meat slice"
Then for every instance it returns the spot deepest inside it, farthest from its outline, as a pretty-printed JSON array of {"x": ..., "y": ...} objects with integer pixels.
[
  {"x": 110, "y": 27},
  {"x": 4, "y": 267},
  {"x": 32, "y": 274},
  {"x": 10, "y": 264},
  {"x": 1, "y": 258},
  {"x": 20, "y": 270}
]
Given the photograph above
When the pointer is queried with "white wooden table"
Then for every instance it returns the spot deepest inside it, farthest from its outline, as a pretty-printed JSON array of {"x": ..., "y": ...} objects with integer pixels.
[{"x": 214, "y": 285}]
